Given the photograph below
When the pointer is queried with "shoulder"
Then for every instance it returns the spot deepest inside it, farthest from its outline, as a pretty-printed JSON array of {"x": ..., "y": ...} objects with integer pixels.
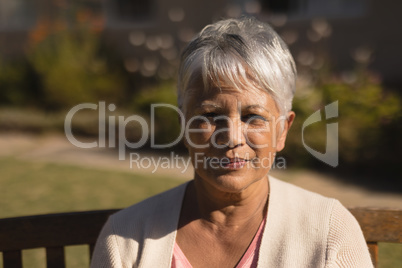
[
  {"x": 298, "y": 223},
  {"x": 298, "y": 198},
  {"x": 131, "y": 234},
  {"x": 295, "y": 211},
  {"x": 312, "y": 230},
  {"x": 308, "y": 206},
  {"x": 302, "y": 211},
  {"x": 346, "y": 246},
  {"x": 162, "y": 206}
]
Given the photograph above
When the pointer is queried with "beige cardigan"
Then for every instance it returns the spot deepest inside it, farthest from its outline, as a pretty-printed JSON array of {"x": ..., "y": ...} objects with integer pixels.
[{"x": 303, "y": 229}]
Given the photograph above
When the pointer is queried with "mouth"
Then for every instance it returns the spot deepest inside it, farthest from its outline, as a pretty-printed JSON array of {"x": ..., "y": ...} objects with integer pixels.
[
  {"x": 226, "y": 163},
  {"x": 233, "y": 163}
]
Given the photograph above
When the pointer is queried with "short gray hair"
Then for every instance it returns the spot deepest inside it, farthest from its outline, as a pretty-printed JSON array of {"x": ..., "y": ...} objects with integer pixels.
[{"x": 241, "y": 53}]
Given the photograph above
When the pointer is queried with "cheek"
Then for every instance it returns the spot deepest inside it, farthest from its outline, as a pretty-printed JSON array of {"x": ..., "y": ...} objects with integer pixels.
[
  {"x": 266, "y": 136},
  {"x": 261, "y": 140},
  {"x": 197, "y": 137},
  {"x": 264, "y": 149}
]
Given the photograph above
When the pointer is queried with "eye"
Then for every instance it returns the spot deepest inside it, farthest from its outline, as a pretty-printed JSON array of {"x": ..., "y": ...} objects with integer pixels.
[
  {"x": 253, "y": 117},
  {"x": 210, "y": 115},
  {"x": 216, "y": 118}
]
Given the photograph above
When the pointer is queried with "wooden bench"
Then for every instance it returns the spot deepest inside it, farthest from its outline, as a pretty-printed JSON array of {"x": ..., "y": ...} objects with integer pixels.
[{"x": 55, "y": 231}]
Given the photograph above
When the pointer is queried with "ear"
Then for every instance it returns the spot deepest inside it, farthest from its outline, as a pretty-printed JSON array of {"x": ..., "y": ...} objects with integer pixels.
[{"x": 280, "y": 143}]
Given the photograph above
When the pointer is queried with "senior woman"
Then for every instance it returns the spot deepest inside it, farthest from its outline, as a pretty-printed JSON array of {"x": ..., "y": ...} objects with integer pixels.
[{"x": 235, "y": 89}]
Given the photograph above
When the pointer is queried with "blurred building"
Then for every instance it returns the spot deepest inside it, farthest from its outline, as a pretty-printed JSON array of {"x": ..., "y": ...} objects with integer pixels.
[
  {"x": 349, "y": 31},
  {"x": 149, "y": 34}
]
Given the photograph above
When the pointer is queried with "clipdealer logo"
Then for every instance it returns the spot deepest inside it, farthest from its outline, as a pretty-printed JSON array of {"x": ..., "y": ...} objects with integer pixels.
[{"x": 330, "y": 156}]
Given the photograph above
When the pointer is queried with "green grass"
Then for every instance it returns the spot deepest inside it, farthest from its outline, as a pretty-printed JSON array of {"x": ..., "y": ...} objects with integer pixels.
[
  {"x": 389, "y": 255},
  {"x": 29, "y": 188}
]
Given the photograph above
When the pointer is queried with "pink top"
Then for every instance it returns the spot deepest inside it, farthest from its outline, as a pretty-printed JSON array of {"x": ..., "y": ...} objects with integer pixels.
[{"x": 249, "y": 259}]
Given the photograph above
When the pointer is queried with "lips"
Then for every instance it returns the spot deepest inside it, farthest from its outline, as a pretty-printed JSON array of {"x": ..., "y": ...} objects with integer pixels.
[
  {"x": 233, "y": 163},
  {"x": 225, "y": 163}
]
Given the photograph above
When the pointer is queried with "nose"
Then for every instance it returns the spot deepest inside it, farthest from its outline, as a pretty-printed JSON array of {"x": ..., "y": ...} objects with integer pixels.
[{"x": 230, "y": 133}]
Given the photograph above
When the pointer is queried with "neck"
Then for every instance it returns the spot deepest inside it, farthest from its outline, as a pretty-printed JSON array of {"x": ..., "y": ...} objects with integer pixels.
[{"x": 229, "y": 209}]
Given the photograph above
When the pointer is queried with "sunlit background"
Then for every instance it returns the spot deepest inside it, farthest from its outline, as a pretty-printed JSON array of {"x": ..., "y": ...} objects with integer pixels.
[{"x": 57, "y": 54}]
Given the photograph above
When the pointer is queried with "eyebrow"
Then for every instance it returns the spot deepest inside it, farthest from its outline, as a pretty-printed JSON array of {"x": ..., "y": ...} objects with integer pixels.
[
  {"x": 256, "y": 106},
  {"x": 210, "y": 105},
  {"x": 201, "y": 106},
  {"x": 249, "y": 107}
]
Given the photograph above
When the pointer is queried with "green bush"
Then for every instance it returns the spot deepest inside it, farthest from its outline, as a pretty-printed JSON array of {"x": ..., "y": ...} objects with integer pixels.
[
  {"x": 167, "y": 127},
  {"x": 72, "y": 70},
  {"x": 368, "y": 119},
  {"x": 18, "y": 84}
]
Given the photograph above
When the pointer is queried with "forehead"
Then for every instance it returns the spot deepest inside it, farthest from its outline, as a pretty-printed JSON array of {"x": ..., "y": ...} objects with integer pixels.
[
  {"x": 203, "y": 85},
  {"x": 235, "y": 74},
  {"x": 228, "y": 97},
  {"x": 242, "y": 84}
]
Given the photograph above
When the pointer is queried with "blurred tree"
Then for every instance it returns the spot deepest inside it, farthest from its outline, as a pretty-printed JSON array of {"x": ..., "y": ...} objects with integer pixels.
[
  {"x": 167, "y": 127},
  {"x": 368, "y": 119},
  {"x": 68, "y": 57}
]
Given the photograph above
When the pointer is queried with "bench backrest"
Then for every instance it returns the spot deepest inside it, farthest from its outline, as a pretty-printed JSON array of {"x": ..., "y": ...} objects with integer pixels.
[
  {"x": 55, "y": 231},
  {"x": 52, "y": 231},
  {"x": 379, "y": 225}
]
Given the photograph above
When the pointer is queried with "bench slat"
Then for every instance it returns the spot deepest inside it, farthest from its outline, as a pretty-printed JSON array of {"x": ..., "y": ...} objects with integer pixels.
[
  {"x": 373, "y": 249},
  {"x": 52, "y": 230},
  {"x": 380, "y": 225},
  {"x": 12, "y": 259},
  {"x": 91, "y": 250},
  {"x": 55, "y": 257}
]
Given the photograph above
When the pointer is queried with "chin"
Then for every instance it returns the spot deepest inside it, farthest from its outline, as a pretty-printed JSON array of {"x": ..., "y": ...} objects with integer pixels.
[
  {"x": 231, "y": 187},
  {"x": 231, "y": 183}
]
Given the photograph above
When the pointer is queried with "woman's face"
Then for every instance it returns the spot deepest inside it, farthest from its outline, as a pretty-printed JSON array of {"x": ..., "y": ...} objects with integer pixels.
[{"x": 232, "y": 136}]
